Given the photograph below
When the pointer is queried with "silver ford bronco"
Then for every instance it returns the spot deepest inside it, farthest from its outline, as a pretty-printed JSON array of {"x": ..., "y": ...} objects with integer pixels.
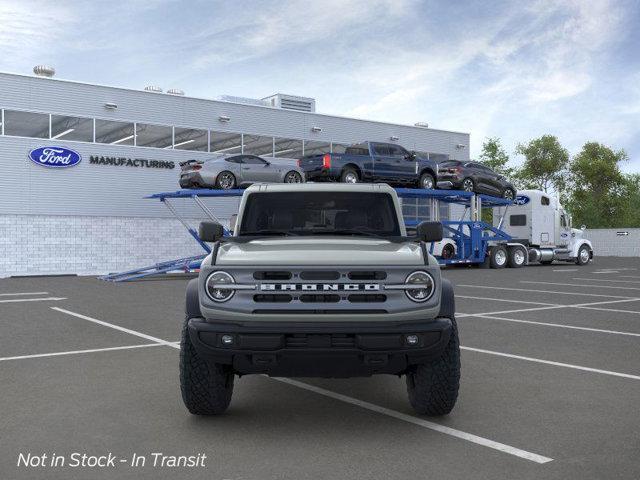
[{"x": 320, "y": 280}]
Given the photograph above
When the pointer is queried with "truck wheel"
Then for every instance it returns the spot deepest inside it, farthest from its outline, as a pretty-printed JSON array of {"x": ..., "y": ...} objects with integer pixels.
[
  {"x": 499, "y": 257},
  {"x": 517, "y": 257},
  {"x": 427, "y": 181},
  {"x": 584, "y": 255},
  {"x": 349, "y": 175},
  {"x": 433, "y": 387},
  {"x": 206, "y": 388}
]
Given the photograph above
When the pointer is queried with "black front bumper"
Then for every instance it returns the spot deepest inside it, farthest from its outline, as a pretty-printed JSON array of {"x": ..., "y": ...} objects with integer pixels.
[{"x": 295, "y": 349}]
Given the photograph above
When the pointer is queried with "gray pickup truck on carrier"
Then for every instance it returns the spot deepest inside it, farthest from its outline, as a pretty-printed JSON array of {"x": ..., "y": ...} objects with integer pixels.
[{"x": 320, "y": 280}]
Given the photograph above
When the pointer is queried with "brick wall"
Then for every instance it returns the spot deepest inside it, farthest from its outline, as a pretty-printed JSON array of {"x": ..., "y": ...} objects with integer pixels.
[
  {"x": 47, "y": 245},
  {"x": 613, "y": 242}
]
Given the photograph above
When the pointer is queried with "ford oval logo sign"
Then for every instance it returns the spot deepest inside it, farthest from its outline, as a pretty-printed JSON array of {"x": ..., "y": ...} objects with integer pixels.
[
  {"x": 56, "y": 157},
  {"x": 521, "y": 200}
]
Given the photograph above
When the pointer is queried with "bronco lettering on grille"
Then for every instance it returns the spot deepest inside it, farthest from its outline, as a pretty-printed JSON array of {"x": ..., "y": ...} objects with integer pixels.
[{"x": 323, "y": 287}]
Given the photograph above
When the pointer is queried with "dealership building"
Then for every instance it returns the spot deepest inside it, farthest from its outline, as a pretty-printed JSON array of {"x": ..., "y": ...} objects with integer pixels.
[{"x": 92, "y": 217}]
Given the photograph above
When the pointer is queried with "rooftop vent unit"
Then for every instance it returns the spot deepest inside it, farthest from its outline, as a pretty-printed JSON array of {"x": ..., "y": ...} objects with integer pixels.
[
  {"x": 153, "y": 88},
  {"x": 175, "y": 91},
  {"x": 422, "y": 124},
  {"x": 292, "y": 102},
  {"x": 44, "y": 71},
  {"x": 244, "y": 100}
]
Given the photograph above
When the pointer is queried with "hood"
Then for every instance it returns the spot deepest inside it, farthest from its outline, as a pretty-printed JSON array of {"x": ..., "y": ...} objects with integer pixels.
[
  {"x": 577, "y": 232},
  {"x": 330, "y": 251}
]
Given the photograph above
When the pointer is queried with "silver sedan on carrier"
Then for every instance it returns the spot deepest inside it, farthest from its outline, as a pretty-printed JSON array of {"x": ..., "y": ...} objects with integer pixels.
[{"x": 235, "y": 171}]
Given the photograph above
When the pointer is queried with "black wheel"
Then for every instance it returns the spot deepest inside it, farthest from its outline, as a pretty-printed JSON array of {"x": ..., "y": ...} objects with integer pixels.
[
  {"x": 225, "y": 180},
  {"x": 508, "y": 194},
  {"x": 584, "y": 255},
  {"x": 433, "y": 387},
  {"x": 293, "y": 177},
  {"x": 349, "y": 175},
  {"x": 427, "y": 181},
  {"x": 206, "y": 388},
  {"x": 498, "y": 258},
  {"x": 468, "y": 185},
  {"x": 517, "y": 257},
  {"x": 448, "y": 251}
]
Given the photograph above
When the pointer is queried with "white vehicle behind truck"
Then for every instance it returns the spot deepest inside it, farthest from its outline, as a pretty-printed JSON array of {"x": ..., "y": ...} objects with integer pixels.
[{"x": 541, "y": 224}]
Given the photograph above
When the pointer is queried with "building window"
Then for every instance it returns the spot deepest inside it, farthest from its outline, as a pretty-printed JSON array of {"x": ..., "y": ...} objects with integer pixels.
[
  {"x": 226, "y": 143},
  {"x": 190, "y": 139},
  {"x": 26, "y": 124},
  {"x": 312, "y": 147},
  {"x": 338, "y": 147},
  {"x": 72, "y": 128},
  {"x": 157, "y": 136},
  {"x": 258, "y": 145},
  {"x": 287, "y": 148},
  {"x": 114, "y": 133},
  {"x": 517, "y": 220}
]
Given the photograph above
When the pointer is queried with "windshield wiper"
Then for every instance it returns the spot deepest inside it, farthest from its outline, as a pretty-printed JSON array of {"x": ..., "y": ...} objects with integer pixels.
[
  {"x": 349, "y": 231},
  {"x": 255, "y": 233}
]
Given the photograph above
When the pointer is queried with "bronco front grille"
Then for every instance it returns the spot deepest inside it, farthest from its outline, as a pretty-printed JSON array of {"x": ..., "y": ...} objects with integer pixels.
[{"x": 320, "y": 341}]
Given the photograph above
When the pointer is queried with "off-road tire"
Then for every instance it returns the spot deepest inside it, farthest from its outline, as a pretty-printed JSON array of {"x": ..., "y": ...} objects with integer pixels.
[
  {"x": 206, "y": 388},
  {"x": 349, "y": 171},
  {"x": 433, "y": 387}
]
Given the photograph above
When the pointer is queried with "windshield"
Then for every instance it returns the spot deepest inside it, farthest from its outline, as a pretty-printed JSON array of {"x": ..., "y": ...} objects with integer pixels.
[{"x": 320, "y": 213}]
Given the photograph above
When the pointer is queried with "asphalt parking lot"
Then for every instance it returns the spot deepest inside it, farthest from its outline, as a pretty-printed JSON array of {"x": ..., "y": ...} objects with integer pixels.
[{"x": 550, "y": 387}]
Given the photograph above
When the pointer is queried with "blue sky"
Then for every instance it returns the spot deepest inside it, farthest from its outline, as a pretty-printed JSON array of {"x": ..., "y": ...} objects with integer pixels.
[{"x": 515, "y": 70}]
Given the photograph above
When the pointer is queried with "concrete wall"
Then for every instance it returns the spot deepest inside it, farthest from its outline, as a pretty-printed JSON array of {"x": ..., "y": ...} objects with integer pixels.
[{"x": 609, "y": 242}]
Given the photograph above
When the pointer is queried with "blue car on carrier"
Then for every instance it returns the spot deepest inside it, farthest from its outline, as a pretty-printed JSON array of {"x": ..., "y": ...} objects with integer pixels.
[{"x": 372, "y": 162}]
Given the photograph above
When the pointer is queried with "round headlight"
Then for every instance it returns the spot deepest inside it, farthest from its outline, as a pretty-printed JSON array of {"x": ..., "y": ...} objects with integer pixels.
[
  {"x": 425, "y": 286},
  {"x": 215, "y": 286}
]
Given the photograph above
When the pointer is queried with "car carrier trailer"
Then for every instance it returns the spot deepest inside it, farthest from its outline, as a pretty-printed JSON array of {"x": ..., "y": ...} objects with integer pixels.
[{"x": 469, "y": 240}]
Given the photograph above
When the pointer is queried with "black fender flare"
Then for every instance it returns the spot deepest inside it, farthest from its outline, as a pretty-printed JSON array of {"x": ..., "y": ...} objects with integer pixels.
[
  {"x": 192, "y": 304},
  {"x": 447, "y": 300}
]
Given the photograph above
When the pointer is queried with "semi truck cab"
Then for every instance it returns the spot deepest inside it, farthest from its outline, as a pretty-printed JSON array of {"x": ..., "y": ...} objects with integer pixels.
[{"x": 538, "y": 221}]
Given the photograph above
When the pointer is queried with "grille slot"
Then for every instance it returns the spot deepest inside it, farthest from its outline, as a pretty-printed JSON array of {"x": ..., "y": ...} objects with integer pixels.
[
  {"x": 364, "y": 298},
  {"x": 320, "y": 341},
  {"x": 272, "y": 298},
  {"x": 272, "y": 275},
  {"x": 320, "y": 275},
  {"x": 319, "y": 298},
  {"x": 367, "y": 275}
]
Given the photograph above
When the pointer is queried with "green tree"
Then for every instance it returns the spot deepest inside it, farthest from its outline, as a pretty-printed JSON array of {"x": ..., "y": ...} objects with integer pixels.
[
  {"x": 495, "y": 157},
  {"x": 631, "y": 200},
  {"x": 599, "y": 192},
  {"x": 545, "y": 165}
]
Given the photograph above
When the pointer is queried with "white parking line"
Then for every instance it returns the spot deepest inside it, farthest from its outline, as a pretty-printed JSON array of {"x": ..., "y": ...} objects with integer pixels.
[
  {"x": 565, "y": 269},
  {"x": 485, "y": 442},
  {"x": 552, "y": 306},
  {"x": 505, "y": 300},
  {"x": 76, "y": 352},
  {"x": 115, "y": 327},
  {"x": 23, "y": 293},
  {"x": 369, "y": 406},
  {"x": 44, "y": 299},
  {"x": 529, "y": 290},
  {"x": 604, "y": 280},
  {"x": 616, "y": 287},
  {"x": 559, "y": 325},
  {"x": 549, "y": 362}
]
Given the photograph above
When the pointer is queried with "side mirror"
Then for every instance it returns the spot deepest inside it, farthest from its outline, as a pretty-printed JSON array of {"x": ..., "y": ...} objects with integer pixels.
[
  {"x": 429, "y": 231},
  {"x": 583, "y": 227},
  {"x": 210, "y": 231}
]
